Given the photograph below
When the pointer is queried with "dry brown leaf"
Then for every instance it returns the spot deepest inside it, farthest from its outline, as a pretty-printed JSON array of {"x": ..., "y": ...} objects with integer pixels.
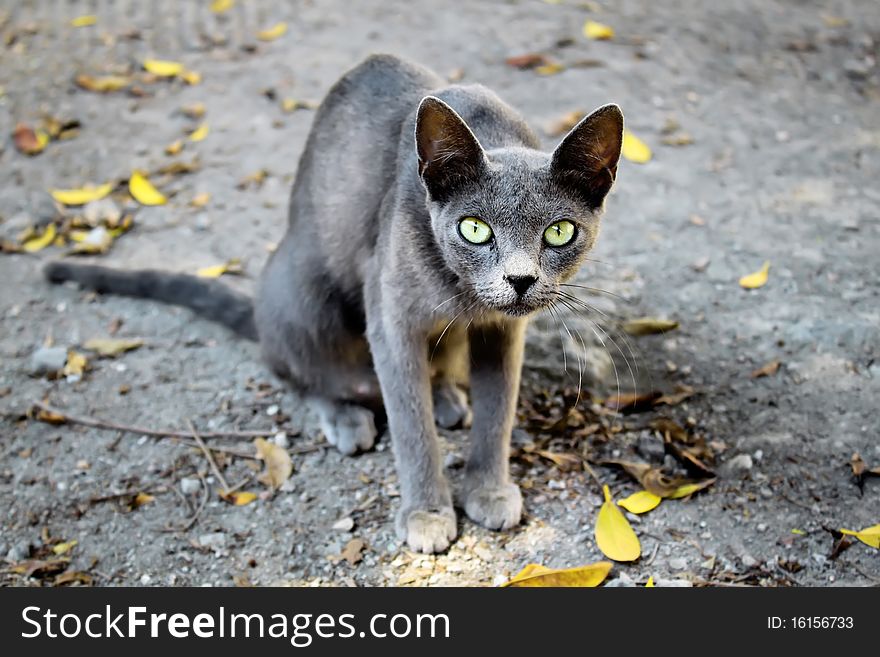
[
  {"x": 768, "y": 370},
  {"x": 255, "y": 179},
  {"x": 112, "y": 347},
  {"x": 858, "y": 465},
  {"x": 29, "y": 141},
  {"x": 353, "y": 551},
  {"x": 681, "y": 393},
  {"x": 73, "y": 577},
  {"x": 194, "y": 111},
  {"x": 528, "y": 60},
  {"x": 279, "y": 467},
  {"x": 656, "y": 481},
  {"x": 678, "y": 139},
  {"x": 179, "y": 167},
  {"x": 632, "y": 401},
  {"x": 102, "y": 83},
  {"x": 649, "y": 326},
  {"x": 563, "y": 461}
]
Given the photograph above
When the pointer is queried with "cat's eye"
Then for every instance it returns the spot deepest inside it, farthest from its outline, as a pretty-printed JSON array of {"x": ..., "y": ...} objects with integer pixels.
[
  {"x": 559, "y": 234},
  {"x": 475, "y": 231}
]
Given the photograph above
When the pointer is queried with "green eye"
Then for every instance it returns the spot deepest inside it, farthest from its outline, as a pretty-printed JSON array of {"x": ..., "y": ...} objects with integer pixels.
[
  {"x": 559, "y": 234},
  {"x": 475, "y": 231}
]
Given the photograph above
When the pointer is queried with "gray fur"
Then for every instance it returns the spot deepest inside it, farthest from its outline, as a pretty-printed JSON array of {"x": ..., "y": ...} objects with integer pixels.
[{"x": 373, "y": 296}]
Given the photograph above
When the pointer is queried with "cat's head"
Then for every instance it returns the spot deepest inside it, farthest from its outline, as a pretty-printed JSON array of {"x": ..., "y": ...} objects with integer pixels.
[{"x": 515, "y": 223}]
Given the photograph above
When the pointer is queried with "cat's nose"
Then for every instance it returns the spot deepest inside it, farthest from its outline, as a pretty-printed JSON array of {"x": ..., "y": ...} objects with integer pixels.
[{"x": 521, "y": 283}]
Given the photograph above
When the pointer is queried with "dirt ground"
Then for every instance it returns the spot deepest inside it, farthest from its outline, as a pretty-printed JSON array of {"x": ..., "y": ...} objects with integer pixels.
[{"x": 782, "y": 102}]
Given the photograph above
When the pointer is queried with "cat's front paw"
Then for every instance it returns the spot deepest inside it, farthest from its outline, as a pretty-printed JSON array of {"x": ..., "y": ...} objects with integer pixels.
[
  {"x": 427, "y": 531},
  {"x": 495, "y": 507},
  {"x": 349, "y": 428},
  {"x": 450, "y": 406}
]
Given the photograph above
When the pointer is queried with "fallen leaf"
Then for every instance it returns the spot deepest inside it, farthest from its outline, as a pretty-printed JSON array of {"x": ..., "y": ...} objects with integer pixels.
[
  {"x": 858, "y": 465},
  {"x": 563, "y": 124},
  {"x": 96, "y": 240},
  {"x": 678, "y": 139},
  {"x": 163, "y": 68},
  {"x": 614, "y": 535},
  {"x": 34, "y": 244},
  {"x": 529, "y": 60},
  {"x": 200, "y": 200},
  {"x": 834, "y": 21},
  {"x": 657, "y": 482},
  {"x": 768, "y": 370},
  {"x": 39, "y": 568},
  {"x": 29, "y": 141},
  {"x": 64, "y": 548},
  {"x": 142, "y": 190},
  {"x": 112, "y": 347},
  {"x": 199, "y": 133},
  {"x": 535, "y": 575},
  {"x": 179, "y": 168},
  {"x": 76, "y": 364},
  {"x": 220, "y": 6},
  {"x": 255, "y": 179},
  {"x": 598, "y": 31},
  {"x": 141, "y": 499},
  {"x": 562, "y": 461},
  {"x": 49, "y": 417},
  {"x": 868, "y": 536},
  {"x": 191, "y": 77},
  {"x": 194, "y": 111},
  {"x": 640, "y": 502},
  {"x": 278, "y": 464},
  {"x": 239, "y": 497},
  {"x": 650, "y": 583},
  {"x": 102, "y": 83},
  {"x": 289, "y": 105},
  {"x": 649, "y": 326},
  {"x": 72, "y": 576},
  {"x": 273, "y": 32},
  {"x": 672, "y": 399},
  {"x": 756, "y": 279},
  {"x": 84, "y": 21},
  {"x": 634, "y": 149},
  {"x": 632, "y": 401},
  {"x": 232, "y": 266},
  {"x": 174, "y": 147},
  {"x": 81, "y": 196},
  {"x": 353, "y": 551},
  {"x": 550, "y": 69}
]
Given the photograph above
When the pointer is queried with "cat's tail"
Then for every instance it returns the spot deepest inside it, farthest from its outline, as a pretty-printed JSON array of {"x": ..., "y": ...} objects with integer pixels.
[{"x": 208, "y": 298}]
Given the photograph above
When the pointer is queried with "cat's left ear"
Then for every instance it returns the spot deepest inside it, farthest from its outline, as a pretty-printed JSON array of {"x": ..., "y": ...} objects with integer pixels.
[
  {"x": 448, "y": 151},
  {"x": 586, "y": 159}
]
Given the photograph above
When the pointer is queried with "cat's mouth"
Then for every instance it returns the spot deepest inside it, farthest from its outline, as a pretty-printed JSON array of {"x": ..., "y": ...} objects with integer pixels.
[{"x": 520, "y": 308}]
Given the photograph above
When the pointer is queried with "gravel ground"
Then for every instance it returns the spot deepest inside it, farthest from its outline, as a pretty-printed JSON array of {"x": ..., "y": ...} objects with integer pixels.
[{"x": 782, "y": 103}]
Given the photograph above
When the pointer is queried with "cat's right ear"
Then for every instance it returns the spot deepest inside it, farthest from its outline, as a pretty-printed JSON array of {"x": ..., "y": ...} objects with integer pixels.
[
  {"x": 586, "y": 159},
  {"x": 448, "y": 151}
]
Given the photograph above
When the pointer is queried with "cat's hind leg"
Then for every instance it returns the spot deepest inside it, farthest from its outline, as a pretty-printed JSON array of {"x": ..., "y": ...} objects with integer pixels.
[
  {"x": 449, "y": 372},
  {"x": 348, "y": 427}
]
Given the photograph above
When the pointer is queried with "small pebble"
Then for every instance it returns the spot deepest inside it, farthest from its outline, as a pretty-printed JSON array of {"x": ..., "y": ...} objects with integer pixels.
[
  {"x": 344, "y": 525},
  {"x": 749, "y": 561},
  {"x": 272, "y": 410},
  {"x": 213, "y": 540},
  {"x": 739, "y": 463},
  {"x": 678, "y": 563},
  {"x": 281, "y": 440},
  {"x": 190, "y": 485},
  {"x": 47, "y": 360}
]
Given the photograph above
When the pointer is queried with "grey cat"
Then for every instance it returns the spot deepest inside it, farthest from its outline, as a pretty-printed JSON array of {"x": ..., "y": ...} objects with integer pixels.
[{"x": 409, "y": 269}]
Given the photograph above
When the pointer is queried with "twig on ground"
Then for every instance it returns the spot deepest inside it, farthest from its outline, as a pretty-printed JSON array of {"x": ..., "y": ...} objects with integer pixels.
[
  {"x": 98, "y": 423},
  {"x": 208, "y": 455}
]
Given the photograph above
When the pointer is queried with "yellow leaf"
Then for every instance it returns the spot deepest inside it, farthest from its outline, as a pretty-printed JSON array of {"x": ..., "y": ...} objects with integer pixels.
[
  {"x": 232, "y": 266},
  {"x": 174, "y": 147},
  {"x": 535, "y": 575},
  {"x": 689, "y": 489},
  {"x": 868, "y": 536},
  {"x": 650, "y": 583},
  {"x": 278, "y": 464},
  {"x": 598, "y": 31},
  {"x": 614, "y": 536},
  {"x": 549, "y": 69},
  {"x": 112, "y": 347},
  {"x": 84, "y": 21},
  {"x": 239, "y": 498},
  {"x": 35, "y": 244},
  {"x": 102, "y": 83},
  {"x": 640, "y": 502},
  {"x": 649, "y": 326},
  {"x": 76, "y": 364},
  {"x": 273, "y": 32},
  {"x": 200, "y": 200},
  {"x": 142, "y": 190},
  {"x": 199, "y": 133},
  {"x": 798, "y": 532},
  {"x": 757, "y": 279},
  {"x": 194, "y": 111},
  {"x": 81, "y": 196},
  {"x": 142, "y": 498},
  {"x": 64, "y": 548},
  {"x": 634, "y": 149},
  {"x": 163, "y": 68},
  {"x": 191, "y": 77},
  {"x": 219, "y": 6}
]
